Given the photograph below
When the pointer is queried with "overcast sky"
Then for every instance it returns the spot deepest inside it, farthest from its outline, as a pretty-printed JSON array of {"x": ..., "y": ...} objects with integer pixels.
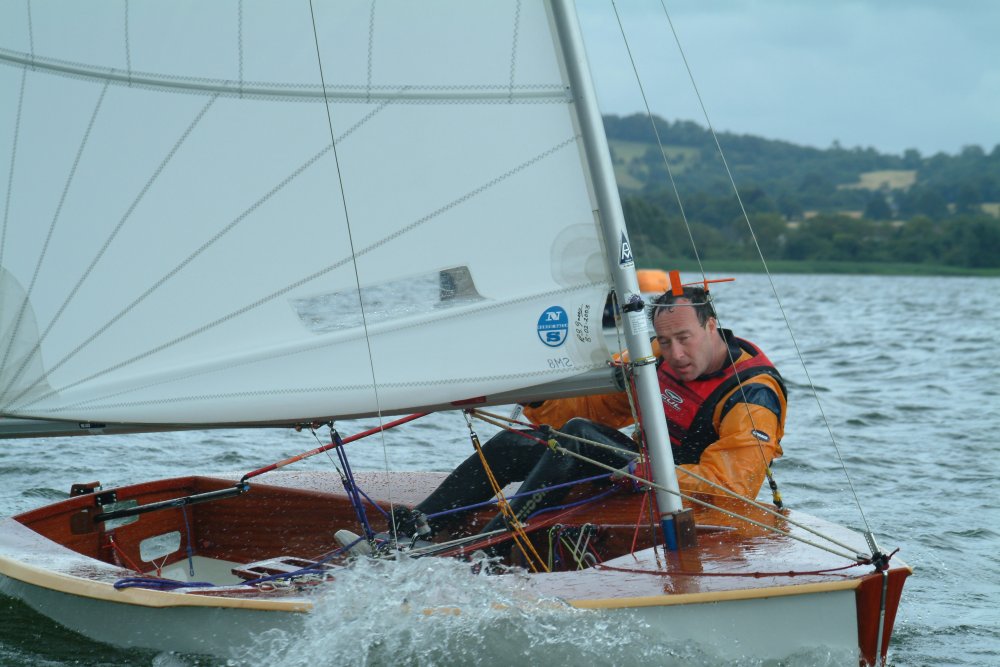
[{"x": 889, "y": 74}]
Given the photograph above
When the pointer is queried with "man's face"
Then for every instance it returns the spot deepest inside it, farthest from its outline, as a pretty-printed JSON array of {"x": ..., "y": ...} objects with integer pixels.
[{"x": 690, "y": 349}]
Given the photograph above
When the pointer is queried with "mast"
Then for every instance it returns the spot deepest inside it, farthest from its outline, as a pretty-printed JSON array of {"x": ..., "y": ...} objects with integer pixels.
[{"x": 622, "y": 270}]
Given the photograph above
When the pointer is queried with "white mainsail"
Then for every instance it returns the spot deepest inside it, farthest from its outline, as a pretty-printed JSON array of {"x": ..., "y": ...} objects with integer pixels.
[{"x": 185, "y": 229}]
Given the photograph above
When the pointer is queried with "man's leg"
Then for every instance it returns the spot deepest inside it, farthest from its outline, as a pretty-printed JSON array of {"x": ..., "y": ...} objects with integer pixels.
[
  {"x": 511, "y": 457},
  {"x": 554, "y": 468}
]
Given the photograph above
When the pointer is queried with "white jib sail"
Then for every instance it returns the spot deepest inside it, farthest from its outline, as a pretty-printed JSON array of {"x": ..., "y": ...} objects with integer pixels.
[{"x": 184, "y": 234}]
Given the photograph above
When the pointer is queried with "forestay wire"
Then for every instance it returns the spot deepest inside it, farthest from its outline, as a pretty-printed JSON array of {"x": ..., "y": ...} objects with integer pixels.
[
  {"x": 753, "y": 236},
  {"x": 350, "y": 240}
]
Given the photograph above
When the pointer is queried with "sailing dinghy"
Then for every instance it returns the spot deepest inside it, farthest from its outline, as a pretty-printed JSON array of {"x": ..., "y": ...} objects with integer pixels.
[{"x": 341, "y": 210}]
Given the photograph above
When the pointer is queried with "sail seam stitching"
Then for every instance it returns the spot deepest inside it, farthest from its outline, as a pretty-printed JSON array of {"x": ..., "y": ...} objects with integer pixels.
[
  {"x": 15, "y": 329},
  {"x": 344, "y": 93},
  {"x": 247, "y": 308},
  {"x": 188, "y": 260},
  {"x": 100, "y": 253},
  {"x": 513, "y": 49},
  {"x": 13, "y": 162},
  {"x": 371, "y": 49}
]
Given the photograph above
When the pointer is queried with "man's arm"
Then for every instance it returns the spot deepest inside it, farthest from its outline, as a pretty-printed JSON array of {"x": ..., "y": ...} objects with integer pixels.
[
  {"x": 611, "y": 409},
  {"x": 749, "y": 437}
]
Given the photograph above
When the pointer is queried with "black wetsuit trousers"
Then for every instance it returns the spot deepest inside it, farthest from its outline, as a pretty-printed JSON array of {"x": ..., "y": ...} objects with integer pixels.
[{"x": 512, "y": 458}]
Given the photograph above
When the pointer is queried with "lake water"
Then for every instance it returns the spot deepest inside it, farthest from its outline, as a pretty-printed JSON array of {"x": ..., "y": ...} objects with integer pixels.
[{"x": 906, "y": 372}]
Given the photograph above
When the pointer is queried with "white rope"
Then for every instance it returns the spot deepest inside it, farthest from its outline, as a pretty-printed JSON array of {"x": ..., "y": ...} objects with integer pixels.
[
  {"x": 753, "y": 503},
  {"x": 773, "y": 529}
]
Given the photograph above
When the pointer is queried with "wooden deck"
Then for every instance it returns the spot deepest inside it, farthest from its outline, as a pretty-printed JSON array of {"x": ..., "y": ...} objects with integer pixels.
[{"x": 294, "y": 515}]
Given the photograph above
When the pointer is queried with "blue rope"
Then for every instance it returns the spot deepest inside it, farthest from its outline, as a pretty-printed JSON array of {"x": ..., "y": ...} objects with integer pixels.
[
  {"x": 373, "y": 503},
  {"x": 354, "y": 493},
  {"x": 351, "y": 486}
]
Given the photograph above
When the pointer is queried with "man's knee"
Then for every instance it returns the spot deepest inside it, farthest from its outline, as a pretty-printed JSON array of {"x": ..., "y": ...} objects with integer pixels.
[
  {"x": 577, "y": 427},
  {"x": 583, "y": 431},
  {"x": 504, "y": 439}
]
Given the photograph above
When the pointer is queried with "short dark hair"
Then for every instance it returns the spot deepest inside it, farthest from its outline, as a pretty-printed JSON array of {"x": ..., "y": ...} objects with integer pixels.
[{"x": 700, "y": 300}]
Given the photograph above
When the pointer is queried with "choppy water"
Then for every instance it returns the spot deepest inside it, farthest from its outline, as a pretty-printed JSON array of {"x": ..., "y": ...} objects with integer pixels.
[{"x": 906, "y": 371}]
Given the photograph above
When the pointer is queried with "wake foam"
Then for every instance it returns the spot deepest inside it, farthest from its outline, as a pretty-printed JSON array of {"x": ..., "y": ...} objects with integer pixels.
[{"x": 436, "y": 611}]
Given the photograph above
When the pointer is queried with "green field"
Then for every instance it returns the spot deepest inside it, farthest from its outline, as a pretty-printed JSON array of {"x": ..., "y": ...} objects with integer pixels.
[
  {"x": 631, "y": 171},
  {"x": 894, "y": 179}
]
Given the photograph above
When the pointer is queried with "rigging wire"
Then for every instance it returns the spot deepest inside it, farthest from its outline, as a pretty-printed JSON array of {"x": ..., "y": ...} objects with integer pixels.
[
  {"x": 767, "y": 271},
  {"x": 491, "y": 419},
  {"x": 753, "y": 235},
  {"x": 776, "y": 495},
  {"x": 350, "y": 242},
  {"x": 13, "y": 163},
  {"x": 649, "y": 113},
  {"x": 709, "y": 505}
]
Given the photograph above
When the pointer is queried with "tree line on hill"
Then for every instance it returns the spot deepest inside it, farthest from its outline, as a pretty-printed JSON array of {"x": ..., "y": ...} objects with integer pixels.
[{"x": 804, "y": 203}]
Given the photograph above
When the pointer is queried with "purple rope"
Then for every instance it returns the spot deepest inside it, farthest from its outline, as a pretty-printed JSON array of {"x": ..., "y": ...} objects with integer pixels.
[
  {"x": 578, "y": 502},
  {"x": 159, "y": 584}
]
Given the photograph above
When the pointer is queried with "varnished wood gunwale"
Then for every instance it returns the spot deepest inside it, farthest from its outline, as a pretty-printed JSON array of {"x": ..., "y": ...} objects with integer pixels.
[{"x": 296, "y": 514}]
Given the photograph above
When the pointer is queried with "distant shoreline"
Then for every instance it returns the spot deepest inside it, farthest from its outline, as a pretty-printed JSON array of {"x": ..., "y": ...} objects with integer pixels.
[{"x": 820, "y": 266}]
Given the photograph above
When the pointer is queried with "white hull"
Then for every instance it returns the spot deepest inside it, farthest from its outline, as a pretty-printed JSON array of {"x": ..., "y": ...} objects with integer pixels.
[
  {"x": 213, "y": 630},
  {"x": 728, "y": 596},
  {"x": 735, "y": 629},
  {"x": 728, "y": 630}
]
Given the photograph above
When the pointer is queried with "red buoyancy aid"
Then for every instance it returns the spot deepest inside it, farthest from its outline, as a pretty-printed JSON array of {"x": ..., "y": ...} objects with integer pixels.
[{"x": 690, "y": 406}]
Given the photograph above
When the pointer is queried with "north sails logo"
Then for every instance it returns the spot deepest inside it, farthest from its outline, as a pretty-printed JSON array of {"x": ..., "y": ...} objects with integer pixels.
[
  {"x": 760, "y": 435},
  {"x": 672, "y": 399},
  {"x": 553, "y": 326}
]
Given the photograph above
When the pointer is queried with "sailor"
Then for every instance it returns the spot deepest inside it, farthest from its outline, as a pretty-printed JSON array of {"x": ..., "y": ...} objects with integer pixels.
[{"x": 724, "y": 401}]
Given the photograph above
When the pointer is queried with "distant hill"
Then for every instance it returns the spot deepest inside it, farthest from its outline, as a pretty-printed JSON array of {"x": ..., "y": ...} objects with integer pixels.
[
  {"x": 786, "y": 187},
  {"x": 819, "y": 179}
]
